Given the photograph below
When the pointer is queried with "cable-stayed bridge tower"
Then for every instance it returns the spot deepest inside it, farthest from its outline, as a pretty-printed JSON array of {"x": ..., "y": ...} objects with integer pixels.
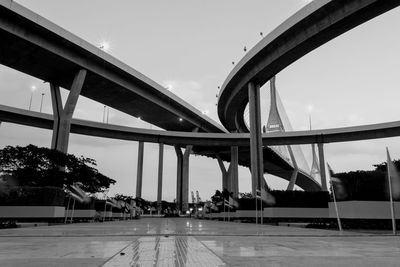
[
  {"x": 275, "y": 124},
  {"x": 315, "y": 172}
]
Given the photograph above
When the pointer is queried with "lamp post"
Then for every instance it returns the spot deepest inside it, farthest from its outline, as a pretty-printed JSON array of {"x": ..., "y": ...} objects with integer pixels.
[
  {"x": 33, "y": 88},
  {"x": 41, "y": 102},
  {"x": 104, "y": 114}
]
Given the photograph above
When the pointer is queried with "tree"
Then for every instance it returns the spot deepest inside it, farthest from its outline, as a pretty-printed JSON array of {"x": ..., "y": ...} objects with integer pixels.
[
  {"x": 39, "y": 166},
  {"x": 367, "y": 185}
]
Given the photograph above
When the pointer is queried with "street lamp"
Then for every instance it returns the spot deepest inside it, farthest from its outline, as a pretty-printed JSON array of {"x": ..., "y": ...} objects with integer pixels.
[
  {"x": 41, "y": 102},
  {"x": 105, "y": 46},
  {"x": 33, "y": 88},
  {"x": 104, "y": 113},
  {"x": 108, "y": 113}
]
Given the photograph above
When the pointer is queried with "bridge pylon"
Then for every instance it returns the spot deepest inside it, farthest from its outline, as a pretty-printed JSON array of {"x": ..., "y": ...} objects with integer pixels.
[{"x": 275, "y": 124}]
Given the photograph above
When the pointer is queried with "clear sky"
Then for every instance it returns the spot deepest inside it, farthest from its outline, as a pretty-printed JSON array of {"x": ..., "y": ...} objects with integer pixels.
[{"x": 189, "y": 46}]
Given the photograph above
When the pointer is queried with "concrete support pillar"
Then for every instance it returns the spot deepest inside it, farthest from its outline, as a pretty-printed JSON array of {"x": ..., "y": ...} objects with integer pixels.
[
  {"x": 185, "y": 178},
  {"x": 139, "y": 176},
  {"x": 234, "y": 171},
  {"x": 223, "y": 171},
  {"x": 293, "y": 179},
  {"x": 160, "y": 175},
  {"x": 63, "y": 116},
  {"x": 321, "y": 155},
  {"x": 256, "y": 155},
  {"x": 179, "y": 157}
]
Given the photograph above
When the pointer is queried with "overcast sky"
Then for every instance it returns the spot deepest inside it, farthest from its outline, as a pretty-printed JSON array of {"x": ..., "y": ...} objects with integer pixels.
[{"x": 189, "y": 46}]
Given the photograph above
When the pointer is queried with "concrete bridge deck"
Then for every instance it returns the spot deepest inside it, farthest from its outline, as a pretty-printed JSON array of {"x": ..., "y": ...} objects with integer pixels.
[{"x": 191, "y": 242}]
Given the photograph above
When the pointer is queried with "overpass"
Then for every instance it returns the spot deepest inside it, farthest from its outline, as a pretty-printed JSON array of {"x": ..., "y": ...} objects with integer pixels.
[
  {"x": 48, "y": 52},
  {"x": 35, "y": 46},
  {"x": 217, "y": 142},
  {"x": 312, "y": 26}
]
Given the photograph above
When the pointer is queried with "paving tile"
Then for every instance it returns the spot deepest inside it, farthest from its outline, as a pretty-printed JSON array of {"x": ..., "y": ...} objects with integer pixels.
[{"x": 190, "y": 242}]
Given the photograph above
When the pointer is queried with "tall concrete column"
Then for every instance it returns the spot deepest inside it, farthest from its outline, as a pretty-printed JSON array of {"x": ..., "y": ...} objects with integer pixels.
[
  {"x": 322, "y": 166},
  {"x": 139, "y": 176},
  {"x": 234, "y": 172},
  {"x": 179, "y": 157},
  {"x": 256, "y": 155},
  {"x": 185, "y": 178},
  {"x": 160, "y": 175},
  {"x": 63, "y": 116},
  {"x": 223, "y": 171}
]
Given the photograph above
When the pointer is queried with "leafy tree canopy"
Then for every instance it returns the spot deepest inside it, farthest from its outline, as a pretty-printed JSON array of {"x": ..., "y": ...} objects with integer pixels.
[
  {"x": 366, "y": 185},
  {"x": 39, "y": 166}
]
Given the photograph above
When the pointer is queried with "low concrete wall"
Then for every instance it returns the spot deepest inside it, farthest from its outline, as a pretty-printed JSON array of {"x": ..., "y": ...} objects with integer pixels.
[
  {"x": 81, "y": 213},
  {"x": 347, "y": 210},
  {"x": 32, "y": 212},
  {"x": 364, "y": 210},
  {"x": 108, "y": 214},
  {"x": 296, "y": 213},
  {"x": 117, "y": 215}
]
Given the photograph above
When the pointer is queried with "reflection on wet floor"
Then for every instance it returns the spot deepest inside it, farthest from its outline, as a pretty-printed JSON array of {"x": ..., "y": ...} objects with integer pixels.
[
  {"x": 190, "y": 242},
  {"x": 166, "y": 251}
]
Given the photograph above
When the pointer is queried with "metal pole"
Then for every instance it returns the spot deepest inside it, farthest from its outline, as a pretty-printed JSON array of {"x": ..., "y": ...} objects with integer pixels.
[
  {"x": 30, "y": 101},
  {"x": 390, "y": 193},
  {"x": 73, "y": 209},
  {"x": 66, "y": 213},
  {"x": 262, "y": 212},
  {"x": 256, "y": 210},
  {"x": 336, "y": 207},
  {"x": 224, "y": 207},
  {"x": 108, "y": 113},
  {"x": 41, "y": 102}
]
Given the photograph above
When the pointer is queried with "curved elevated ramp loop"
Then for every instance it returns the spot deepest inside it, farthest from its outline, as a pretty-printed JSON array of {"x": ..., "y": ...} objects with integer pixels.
[
  {"x": 212, "y": 143},
  {"x": 314, "y": 25}
]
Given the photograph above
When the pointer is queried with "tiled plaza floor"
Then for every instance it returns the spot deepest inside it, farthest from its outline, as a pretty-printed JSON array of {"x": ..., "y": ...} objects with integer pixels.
[{"x": 190, "y": 242}]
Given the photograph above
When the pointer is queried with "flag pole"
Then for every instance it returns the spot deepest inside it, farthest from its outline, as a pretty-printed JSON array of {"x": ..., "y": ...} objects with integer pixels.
[
  {"x": 336, "y": 207},
  {"x": 73, "y": 209},
  {"x": 66, "y": 213},
  {"x": 334, "y": 199},
  {"x": 256, "y": 207},
  {"x": 261, "y": 211},
  {"x": 224, "y": 205},
  {"x": 389, "y": 161}
]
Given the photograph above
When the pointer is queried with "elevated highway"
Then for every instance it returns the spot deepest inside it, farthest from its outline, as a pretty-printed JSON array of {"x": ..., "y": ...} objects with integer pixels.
[
  {"x": 33, "y": 45},
  {"x": 211, "y": 143},
  {"x": 309, "y": 28},
  {"x": 312, "y": 26}
]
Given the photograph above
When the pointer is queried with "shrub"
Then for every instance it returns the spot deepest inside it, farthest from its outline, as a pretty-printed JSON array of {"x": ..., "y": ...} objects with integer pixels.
[
  {"x": 32, "y": 196},
  {"x": 298, "y": 199}
]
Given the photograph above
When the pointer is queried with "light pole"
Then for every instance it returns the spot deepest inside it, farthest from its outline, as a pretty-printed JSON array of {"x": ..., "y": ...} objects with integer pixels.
[
  {"x": 105, "y": 46},
  {"x": 104, "y": 114},
  {"x": 33, "y": 88},
  {"x": 108, "y": 113},
  {"x": 41, "y": 102}
]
